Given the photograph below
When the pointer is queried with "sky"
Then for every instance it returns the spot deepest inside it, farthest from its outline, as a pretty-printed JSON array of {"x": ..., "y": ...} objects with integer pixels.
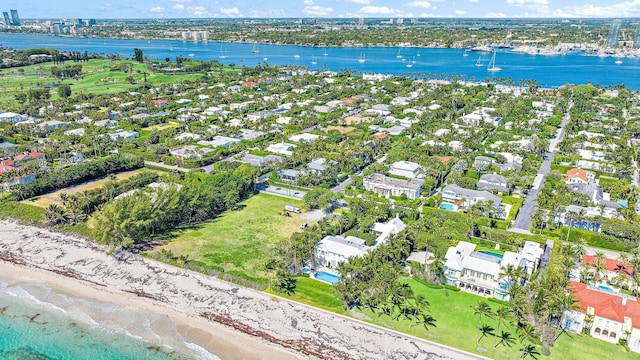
[{"x": 103, "y": 9}]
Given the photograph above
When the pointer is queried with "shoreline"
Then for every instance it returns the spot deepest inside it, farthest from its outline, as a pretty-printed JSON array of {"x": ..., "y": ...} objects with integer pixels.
[{"x": 233, "y": 322}]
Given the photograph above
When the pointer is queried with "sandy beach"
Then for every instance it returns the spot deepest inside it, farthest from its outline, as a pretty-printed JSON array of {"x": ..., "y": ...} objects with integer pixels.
[{"x": 229, "y": 321}]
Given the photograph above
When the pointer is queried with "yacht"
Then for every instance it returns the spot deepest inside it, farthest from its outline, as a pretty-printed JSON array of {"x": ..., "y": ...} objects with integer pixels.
[
  {"x": 492, "y": 64},
  {"x": 618, "y": 62},
  {"x": 191, "y": 55},
  {"x": 265, "y": 58},
  {"x": 296, "y": 56},
  {"x": 481, "y": 48}
]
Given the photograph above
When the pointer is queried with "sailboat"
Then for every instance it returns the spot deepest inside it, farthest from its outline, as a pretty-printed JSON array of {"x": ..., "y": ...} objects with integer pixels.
[
  {"x": 492, "y": 64},
  {"x": 296, "y": 56},
  {"x": 313, "y": 60},
  {"x": 618, "y": 62},
  {"x": 255, "y": 49},
  {"x": 478, "y": 63},
  {"x": 410, "y": 65},
  {"x": 465, "y": 54},
  {"x": 399, "y": 56},
  {"x": 222, "y": 54},
  {"x": 418, "y": 54},
  {"x": 325, "y": 52},
  {"x": 362, "y": 59}
]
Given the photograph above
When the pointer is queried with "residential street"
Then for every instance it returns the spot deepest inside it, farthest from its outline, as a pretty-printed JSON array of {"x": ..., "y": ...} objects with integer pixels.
[{"x": 522, "y": 222}]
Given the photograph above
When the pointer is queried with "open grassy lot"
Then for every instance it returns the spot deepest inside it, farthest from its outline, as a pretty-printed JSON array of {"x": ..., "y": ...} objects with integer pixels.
[
  {"x": 315, "y": 293},
  {"x": 21, "y": 211},
  {"x": 239, "y": 240},
  {"x": 97, "y": 77},
  {"x": 44, "y": 201}
]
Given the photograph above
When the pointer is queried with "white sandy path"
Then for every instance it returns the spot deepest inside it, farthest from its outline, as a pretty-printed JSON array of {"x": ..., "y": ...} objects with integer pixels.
[{"x": 306, "y": 330}]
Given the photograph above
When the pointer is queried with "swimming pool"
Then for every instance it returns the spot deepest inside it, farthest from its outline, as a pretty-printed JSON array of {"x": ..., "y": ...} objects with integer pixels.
[
  {"x": 327, "y": 277},
  {"x": 491, "y": 253},
  {"x": 446, "y": 206},
  {"x": 605, "y": 288}
]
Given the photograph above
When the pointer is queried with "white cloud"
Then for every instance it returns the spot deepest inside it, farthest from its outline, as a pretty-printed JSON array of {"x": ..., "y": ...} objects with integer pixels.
[
  {"x": 622, "y": 9},
  {"x": 230, "y": 12},
  {"x": 198, "y": 11},
  {"x": 315, "y": 10},
  {"x": 361, "y": 2},
  {"x": 420, "y": 4},
  {"x": 459, "y": 12},
  {"x": 157, "y": 9},
  {"x": 495, "y": 15},
  {"x": 527, "y": 3},
  {"x": 308, "y": 2},
  {"x": 378, "y": 10},
  {"x": 178, "y": 7}
]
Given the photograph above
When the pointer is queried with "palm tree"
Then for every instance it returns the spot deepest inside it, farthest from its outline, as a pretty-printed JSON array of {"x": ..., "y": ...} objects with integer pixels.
[
  {"x": 506, "y": 339},
  {"x": 529, "y": 350},
  {"x": 502, "y": 315},
  {"x": 485, "y": 330},
  {"x": 527, "y": 333},
  {"x": 482, "y": 309}
]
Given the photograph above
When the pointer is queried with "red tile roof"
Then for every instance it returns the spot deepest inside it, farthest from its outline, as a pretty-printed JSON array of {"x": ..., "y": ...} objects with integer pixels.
[
  {"x": 606, "y": 305},
  {"x": 610, "y": 264},
  {"x": 28, "y": 156},
  {"x": 7, "y": 165},
  {"x": 159, "y": 102},
  {"x": 250, "y": 84},
  {"x": 577, "y": 173},
  {"x": 380, "y": 136}
]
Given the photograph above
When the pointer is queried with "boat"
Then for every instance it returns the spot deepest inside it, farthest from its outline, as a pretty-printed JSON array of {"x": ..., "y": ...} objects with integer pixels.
[
  {"x": 170, "y": 48},
  {"x": 325, "y": 52},
  {"x": 191, "y": 55},
  {"x": 222, "y": 53},
  {"x": 296, "y": 56},
  {"x": 313, "y": 60},
  {"x": 410, "y": 65},
  {"x": 255, "y": 49},
  {"x": 481, "y": 48},
  {"x": 362, "y": 59},
  {"x": 399, "y": 56},
  {"x": 265, "y": 58},
  {"x": 492, "y": 64},
  {"x": 465, "y": 54},
  {"x": 618, "y": 62},
  {"x": 418, "y": 54},
  {"x": 478, "y": 63}
]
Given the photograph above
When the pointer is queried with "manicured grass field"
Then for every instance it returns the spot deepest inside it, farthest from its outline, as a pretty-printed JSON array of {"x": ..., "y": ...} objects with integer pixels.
[
  {"x": 21, "y": 211},
  {"x": 240, "y": 240},
  {"x": 456, "y": 324},
  {"x": 97, "y": 78},
  {"x": 44, "y": 201}
]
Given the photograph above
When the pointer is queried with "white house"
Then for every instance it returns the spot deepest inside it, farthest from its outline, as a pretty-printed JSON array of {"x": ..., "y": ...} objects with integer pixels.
[
  {"x": 406, "y": 169},
  {"x": 457, "y": 198},
  {"x": 492, "y": 182},
  {"x": 281, "y": 148},
  {"x": 75, "y": 132},
  {"x": 12, "y": 118},
  {"x": 219, "y": 141},
  {"x": 304, "y": 137},
  {"x": 333, "y": 250},
  {"x": 384, "y": 230},
  {"x": 190, "y": 152},
  {"x": 122, "y": 134},
  {"x": 387, "y": 187},
  {"x": 478, "y": 272}
]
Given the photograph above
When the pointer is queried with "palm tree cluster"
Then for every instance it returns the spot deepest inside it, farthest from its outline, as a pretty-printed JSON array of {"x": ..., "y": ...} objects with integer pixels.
[
  {"x": 371, "y": 282},
  {"x": 501, "y": 316}
]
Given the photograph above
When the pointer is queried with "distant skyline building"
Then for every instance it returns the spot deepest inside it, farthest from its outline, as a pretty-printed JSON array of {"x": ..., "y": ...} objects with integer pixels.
[
  {"x": 7, "y": 19},
  {"x": 614, "y": 33},
  {"x": 15, "y": 19},
  {"x": 636, "y": 40}
]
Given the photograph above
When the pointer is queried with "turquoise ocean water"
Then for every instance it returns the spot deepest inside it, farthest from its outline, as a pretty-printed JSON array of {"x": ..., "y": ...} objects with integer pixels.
[{"x": 39, "y": 323}]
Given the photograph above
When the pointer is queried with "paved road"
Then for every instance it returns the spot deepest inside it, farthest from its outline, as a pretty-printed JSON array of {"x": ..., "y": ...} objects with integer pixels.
[
  {"x": 523, "y": 220},
  {"x": 340, "y": 187},
  {"x": 162, "y": 165}
]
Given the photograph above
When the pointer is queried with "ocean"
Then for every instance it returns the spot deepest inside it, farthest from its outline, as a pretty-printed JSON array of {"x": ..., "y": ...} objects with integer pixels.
[
  {"x": 40, "y": 323},
  {"x": 547, "y": 71}
]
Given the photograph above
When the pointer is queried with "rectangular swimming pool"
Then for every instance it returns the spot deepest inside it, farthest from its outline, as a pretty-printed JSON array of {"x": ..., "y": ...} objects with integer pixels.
[
  {"x": 446, "y": 206},
  {"x": 327, "y": 277}
]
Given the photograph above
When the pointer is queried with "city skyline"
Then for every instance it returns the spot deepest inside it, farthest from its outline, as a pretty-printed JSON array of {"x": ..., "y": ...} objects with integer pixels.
[{"x": 35, "y": 9}]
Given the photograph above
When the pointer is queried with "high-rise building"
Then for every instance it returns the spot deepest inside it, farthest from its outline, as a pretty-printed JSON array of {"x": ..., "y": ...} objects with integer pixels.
[
  {"x": 614, "y": 32},
  {"x": 7, "y": 19},
  {"x": 15, "y": 18},
  {"x": 636, "y": 40}
]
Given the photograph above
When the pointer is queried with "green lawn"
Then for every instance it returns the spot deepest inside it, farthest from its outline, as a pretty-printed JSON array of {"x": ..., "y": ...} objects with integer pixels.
[
  {"x": 456, "y": 324},
  {"x": 239, "y": 240},
  {"x": 22, "y": 211}
]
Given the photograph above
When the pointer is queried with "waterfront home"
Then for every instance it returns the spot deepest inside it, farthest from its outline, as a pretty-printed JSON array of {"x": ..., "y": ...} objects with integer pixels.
[
  {"x": 492, "y": 182},
  {"x": 479, "y": 272},
  {"x": 605, "y": 314},
  {"x": 333, "y": 250},
  {"x": 405, "y": 169},
  {"x": 387, "y": 187},
  {"x": 457, "y": 198}
]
